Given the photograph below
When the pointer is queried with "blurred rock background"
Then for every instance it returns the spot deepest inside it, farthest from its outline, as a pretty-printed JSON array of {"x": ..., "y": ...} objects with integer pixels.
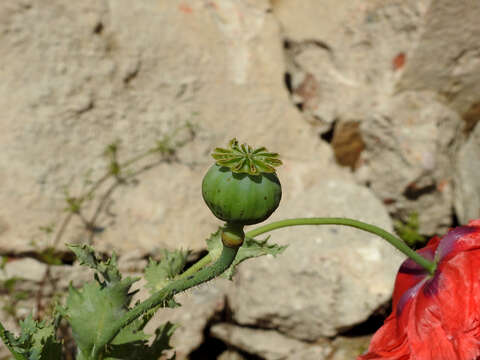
[{"x": 373, "y": 105}]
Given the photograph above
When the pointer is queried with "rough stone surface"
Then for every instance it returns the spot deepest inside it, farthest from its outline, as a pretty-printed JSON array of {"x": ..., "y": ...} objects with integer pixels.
[
  {"x": 24, "y": 276},
  {"x": 230, "y": 355},
  {"x": 467, "y": 179},
  {"x": 25, "y": 269},
  {"x": 367, "y": 59},
  {"x": 342, "y": 67},
  {"x": 306, "y": 293},
  {"x": 77, "y": 77},
  {"x": 348, "y": 348},
  {"x": 268, "y": 344},
  {"x": 446, "y": 58},
  {"x": 409, "y": 156}
]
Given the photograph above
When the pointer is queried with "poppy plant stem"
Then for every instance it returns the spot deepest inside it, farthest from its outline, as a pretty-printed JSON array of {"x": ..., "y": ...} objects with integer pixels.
[
  {"x": 176, "y": 286},
  {"x": 392, "y": 239}
]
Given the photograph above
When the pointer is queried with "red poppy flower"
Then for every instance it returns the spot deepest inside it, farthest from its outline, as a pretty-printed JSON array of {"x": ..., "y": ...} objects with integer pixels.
[{"x": 435, "y": 317}]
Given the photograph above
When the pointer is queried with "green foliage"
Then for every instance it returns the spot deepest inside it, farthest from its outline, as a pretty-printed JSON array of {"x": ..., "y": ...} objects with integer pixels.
[
  {"x": 158, "y": 274},
  {"x": 47, "y": 229},
  {"x": 139, "y": 349},
  {"x": 169, "y": 144},
  {"x": 3, "y": 262},
  {"x": 73, "y": 204},
  {"x": 104, "y": 301},
  {"x": 111, "y": 152},
  {"x": 93, "y": 310},
  {"x": 108, "y": 269},
  {"x": 408, "y": 231},
  {"x": 9, "y": 284},
  {"x": 35, "y": 342},
  {"x": 251, "y": 248}
]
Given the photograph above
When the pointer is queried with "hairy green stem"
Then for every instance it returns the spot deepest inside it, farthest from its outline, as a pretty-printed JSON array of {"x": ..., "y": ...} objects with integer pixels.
[
  {"x": 392, "y": 239},
  {"x": 181, "y": 284},
  {"x": 201, "y": 263}
]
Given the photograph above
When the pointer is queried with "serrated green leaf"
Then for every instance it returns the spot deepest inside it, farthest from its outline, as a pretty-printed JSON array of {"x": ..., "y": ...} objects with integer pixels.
[
  {"x": 140, "y": 349},
  {"x": 161, "y": 342},
  {"x": 35, "y": 342},
  {"x": 12, "y": 344},
  {"x": 251, "y": 248},
  {"x": 104, "y": 302},
  {"x": 214, "y": 244},
  {"x": 158, "y": 274},
  {"x": 93, "y": 310},
  {"x": 108, "y": 269},
  {"x": 28, "y": 327},
  {"x": 134, "y": 331}
]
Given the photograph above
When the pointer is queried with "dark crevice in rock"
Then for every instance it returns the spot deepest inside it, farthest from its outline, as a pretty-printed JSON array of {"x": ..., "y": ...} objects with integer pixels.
[
  {"x": 315, "y": 43},
  {"x": 369, "y": 326},
  {"x": 98, "y": 29},
  {"x": 289, "y": 55},
  {"x": 297, "y": 46},
  {"x": 328, "y": 135},
  {"x": 46, "y": 256},
  {"x": 287, "y": 78},
  {"x": 85, "y": 108},
  {"x": 248, "y": 356},
  {"x": 132, "y": 74},
  {"x": 212, "y": 347},
  {"x": 454, "y": 221},
  {"x": 414, "y": 193},
  {"x": 304, "y": 90},
  {"x": 471, "y": 118}
]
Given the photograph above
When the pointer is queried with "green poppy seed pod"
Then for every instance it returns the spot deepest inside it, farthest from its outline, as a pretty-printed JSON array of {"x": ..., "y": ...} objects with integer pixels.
[{"x": 242, "y": 187}]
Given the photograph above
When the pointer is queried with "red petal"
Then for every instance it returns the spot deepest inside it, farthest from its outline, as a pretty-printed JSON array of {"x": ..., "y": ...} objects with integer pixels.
[
  {"x": 446, "y": 325},
  {"x": 440, "y": 315},
  {"x": 389, "y": 342}
]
